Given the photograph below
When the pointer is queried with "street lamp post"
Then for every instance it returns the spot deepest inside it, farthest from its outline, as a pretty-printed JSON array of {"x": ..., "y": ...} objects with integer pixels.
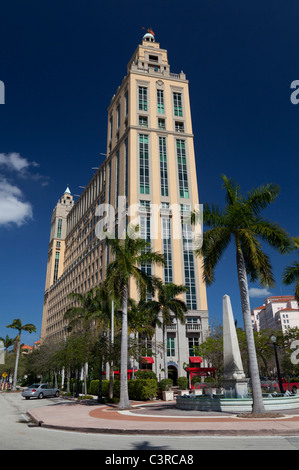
[{"x": 273, "y": 339}]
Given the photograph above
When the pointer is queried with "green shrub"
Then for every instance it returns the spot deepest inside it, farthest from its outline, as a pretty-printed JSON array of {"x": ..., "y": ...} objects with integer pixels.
[
  {"x": 142, "y": 389},
  {"x": 93, "y": 388},
  {"x": 139, "y": 389},
  {"x": 149, "y": 392},
  {"x": 195, "y": 380},
  {"x": 85, "y": 397},
  {"x": 183, "y": 383},
  {"x": 145, "y": 374},
  {"x": 210, "y": 380}
]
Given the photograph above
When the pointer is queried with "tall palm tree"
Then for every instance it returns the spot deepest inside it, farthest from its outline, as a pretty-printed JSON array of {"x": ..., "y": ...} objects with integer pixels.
[
  {"x": 240, "y": 221},
  {"x": 291, "y": 273},
  {"x": 168, "y": 305},
  {"x": 17, "y": 325},
  {"x": 129, "y": 254}
]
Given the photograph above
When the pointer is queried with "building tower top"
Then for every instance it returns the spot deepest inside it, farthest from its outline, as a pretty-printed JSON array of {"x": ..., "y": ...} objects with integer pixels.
[{"x": 149, "y": 35}]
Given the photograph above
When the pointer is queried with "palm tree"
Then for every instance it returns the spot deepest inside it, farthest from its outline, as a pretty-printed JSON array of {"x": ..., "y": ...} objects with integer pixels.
[
  {"x": 241, "y": 222},
  {"x": 141, "y": 321},
  {"x": 83, "y": 315},
  {"x": 7, "y": 342},
  {"x": 17, "y": 325},
  {"x": 167, "y": 305},
  {"x": 291, "y": 273},
  {"x": 129, "y": 254}
]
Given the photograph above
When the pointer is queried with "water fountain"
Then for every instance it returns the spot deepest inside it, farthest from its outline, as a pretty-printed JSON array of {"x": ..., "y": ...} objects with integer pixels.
[{"x": 235, "y": 396}]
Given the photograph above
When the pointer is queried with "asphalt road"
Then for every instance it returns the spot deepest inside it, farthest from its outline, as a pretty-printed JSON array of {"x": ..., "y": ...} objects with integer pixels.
[{"x": 17, "y": 433}]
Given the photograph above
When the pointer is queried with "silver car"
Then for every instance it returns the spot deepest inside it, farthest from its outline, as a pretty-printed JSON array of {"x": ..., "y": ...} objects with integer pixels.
[{"x": 40, "y": 391}]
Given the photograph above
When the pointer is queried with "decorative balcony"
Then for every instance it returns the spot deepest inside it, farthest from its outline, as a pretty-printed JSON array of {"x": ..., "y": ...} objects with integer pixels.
[
  {"x": 171, "y": 327},
  {"x": 193, "y": 327}
]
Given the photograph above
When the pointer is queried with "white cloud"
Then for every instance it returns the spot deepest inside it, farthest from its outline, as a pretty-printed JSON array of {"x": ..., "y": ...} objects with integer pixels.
[
  {"x": 12, "y": 208},
  {"x": 14, "y": 161},
  {"x": 255, "y": 292}
]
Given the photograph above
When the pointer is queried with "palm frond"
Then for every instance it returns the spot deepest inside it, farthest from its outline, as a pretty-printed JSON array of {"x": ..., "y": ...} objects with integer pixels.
[
  {"x": 259, "y": 198},
  {"x": 232, "y": 195},
  {"x": 272, "y": 234},
  {"x": 258, "y": 265},
  {"x": 291, "y": 273},
  {"x": 212, "y": 216},
  {"x": 215, "y": 242}
]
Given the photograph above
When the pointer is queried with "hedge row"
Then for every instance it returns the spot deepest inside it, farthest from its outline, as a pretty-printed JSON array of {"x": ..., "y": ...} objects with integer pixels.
[{"x": 139, "y": 389}]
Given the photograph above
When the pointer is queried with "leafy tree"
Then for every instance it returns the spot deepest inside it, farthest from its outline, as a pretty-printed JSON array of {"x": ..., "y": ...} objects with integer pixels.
[
  {"x": 17, "y": 325},
  {"x": 212, "y": 350},
  {"x": 241, "y": 221}
]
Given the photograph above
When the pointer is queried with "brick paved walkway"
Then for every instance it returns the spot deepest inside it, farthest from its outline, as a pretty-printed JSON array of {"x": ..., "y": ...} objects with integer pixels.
[{"x": 159, "y": 418}]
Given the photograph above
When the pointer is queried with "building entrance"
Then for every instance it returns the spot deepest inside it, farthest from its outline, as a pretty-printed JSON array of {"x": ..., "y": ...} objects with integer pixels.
[{"x": 173, "y": 374}]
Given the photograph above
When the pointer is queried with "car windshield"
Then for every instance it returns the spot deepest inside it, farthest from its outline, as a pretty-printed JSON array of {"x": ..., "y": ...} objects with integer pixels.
[{"x": 34, "y": 386}]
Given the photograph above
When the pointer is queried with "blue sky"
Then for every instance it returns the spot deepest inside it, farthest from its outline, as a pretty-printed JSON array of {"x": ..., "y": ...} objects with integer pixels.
[{"x": 61, "y": 62}]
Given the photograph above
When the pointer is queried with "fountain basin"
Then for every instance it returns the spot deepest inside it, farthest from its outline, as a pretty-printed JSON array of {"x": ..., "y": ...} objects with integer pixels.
[{"x": 235, "y": 405}]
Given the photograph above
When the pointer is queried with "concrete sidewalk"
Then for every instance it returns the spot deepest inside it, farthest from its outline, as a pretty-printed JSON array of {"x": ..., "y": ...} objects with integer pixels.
[{"x": 160, "y": 418}]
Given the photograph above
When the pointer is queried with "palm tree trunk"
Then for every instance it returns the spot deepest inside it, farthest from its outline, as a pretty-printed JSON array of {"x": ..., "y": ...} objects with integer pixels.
[
  {"x": 124, "y": 394},
  {"x": 258, "y": 404},
  {"x": 68, "y": 380},
  {"x": 111, "y": 368},
  {"x": 84, "y": 378},
  {"x": 165, "y": 351},
  {"x": 15, "y": 376}
]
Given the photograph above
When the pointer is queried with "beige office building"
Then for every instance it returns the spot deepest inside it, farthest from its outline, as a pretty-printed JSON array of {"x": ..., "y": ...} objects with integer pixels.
[{"x": 150, "y": 161}]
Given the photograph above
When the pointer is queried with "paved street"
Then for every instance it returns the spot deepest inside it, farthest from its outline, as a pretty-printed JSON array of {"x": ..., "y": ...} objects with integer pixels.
[{"x": 16, "y": 433}]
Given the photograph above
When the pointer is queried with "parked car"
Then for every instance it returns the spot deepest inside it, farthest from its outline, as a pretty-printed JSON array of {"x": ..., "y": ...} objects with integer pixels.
[{"x": 40, "y": 391}]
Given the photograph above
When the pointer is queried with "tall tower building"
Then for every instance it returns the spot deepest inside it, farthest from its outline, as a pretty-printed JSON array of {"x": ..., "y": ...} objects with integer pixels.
[
  {"x": 56, "y": 251},
  {"x": 150, "y": 160}
]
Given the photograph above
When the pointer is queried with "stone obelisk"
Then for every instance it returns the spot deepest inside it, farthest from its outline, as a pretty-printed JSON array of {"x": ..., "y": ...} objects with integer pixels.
[{"x": 235, "y": 383}]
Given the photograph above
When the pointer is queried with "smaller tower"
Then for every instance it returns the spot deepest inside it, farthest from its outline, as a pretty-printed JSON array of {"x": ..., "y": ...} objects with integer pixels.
[{"x": 56, "y": 246}]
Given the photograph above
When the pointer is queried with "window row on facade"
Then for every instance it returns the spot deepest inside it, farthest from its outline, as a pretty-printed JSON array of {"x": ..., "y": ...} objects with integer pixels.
[
  {"x": 143, "y": 109},
  {"x": 188, "y": 256},
  {"x": 143, "y": 101},
  {"x": 144, "y": 167}
]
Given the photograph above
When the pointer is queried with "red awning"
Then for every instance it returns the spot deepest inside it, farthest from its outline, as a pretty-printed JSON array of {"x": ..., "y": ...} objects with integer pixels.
[
  {"x": 195, "y": 360},
  {"x": 147, "y": 360}
]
